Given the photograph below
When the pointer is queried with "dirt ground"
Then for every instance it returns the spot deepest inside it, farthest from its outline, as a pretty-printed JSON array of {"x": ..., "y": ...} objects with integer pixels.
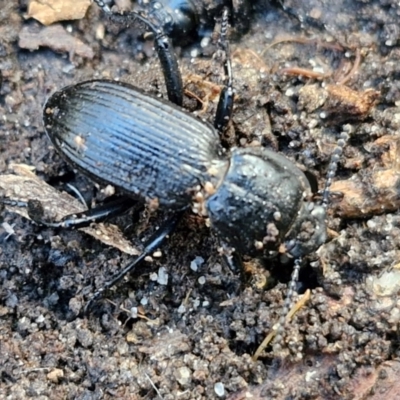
[{"x": 185, "y": 326}]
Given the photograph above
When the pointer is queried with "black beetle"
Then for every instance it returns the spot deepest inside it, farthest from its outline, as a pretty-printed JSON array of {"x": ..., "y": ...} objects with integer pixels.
[{"x": 257, "y": 201}]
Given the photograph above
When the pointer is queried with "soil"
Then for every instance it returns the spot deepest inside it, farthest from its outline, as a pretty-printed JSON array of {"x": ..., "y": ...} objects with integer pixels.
[{"x": 185, "y": 326}]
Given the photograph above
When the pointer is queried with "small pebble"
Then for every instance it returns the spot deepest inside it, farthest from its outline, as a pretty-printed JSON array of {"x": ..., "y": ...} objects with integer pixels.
[
  {"x": 162, "y": 276},
  {"x": 196, "y": 263},
  {"x": 219, "y": 389},
  {"x": 55, "y": 375}
]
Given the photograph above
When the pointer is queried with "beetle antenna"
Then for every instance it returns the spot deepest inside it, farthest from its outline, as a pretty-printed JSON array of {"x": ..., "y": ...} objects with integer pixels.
[
  {"x": 278, "y": 328},
  {"x": 333, "y": 165},
  {"x": 332, "y": 169}
]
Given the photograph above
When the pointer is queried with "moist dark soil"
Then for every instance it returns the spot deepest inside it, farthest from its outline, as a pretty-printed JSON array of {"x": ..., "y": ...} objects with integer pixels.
[{"x": 184, "y": 326}]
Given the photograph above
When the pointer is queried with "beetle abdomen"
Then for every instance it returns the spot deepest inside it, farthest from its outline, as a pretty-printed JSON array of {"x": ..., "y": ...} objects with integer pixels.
[{"x": 115, "y": 133}]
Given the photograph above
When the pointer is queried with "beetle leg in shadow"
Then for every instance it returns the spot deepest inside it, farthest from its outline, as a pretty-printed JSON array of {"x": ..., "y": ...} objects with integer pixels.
[
  {"x": 152, "y": 244},
  {"x": 234, "y": 262},
  {"x": 225, "y": 102},
  {"x": 78, "y": 220},
  {"x": 164, "y": 48}
]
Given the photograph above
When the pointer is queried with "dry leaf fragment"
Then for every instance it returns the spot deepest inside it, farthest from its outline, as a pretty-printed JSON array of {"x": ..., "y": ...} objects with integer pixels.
[
  {"x": 56, "y": 38},
  {"x": 374, "y": 190},
  {"x": 27, "y": 186},
  {"x": 345, "y": 104}
]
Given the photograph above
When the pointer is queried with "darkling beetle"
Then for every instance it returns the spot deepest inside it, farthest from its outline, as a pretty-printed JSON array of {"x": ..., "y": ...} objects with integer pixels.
[{"x": 257, "y": 201}]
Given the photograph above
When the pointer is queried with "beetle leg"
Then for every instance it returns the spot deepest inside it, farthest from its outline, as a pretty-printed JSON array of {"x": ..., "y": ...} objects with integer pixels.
[
  {"x": 78, "y": 220},
  {"x": 13, "y": 203},
  {"x": 234, "y": 263},
  {"x": 225, "y": 103},
  {"x": 164, "y": 48},
  {"x": 152, "y": 244},
  {"x": 233, "y": 260},
  {"x": 96, "y": 214},
  {"x": 170, "y": 67}
]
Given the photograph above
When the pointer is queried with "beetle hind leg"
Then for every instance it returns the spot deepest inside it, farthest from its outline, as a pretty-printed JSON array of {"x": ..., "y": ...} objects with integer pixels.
[
  {"x": 163, "y": 46},
  {"x": 225, "y": 103},
  {"x": 82, "y": 219},
  {"x": 151, "y": 245}
]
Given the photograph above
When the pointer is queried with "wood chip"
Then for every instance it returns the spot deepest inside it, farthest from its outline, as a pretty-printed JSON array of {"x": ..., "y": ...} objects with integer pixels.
[{"x": 49, "y": 11}]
